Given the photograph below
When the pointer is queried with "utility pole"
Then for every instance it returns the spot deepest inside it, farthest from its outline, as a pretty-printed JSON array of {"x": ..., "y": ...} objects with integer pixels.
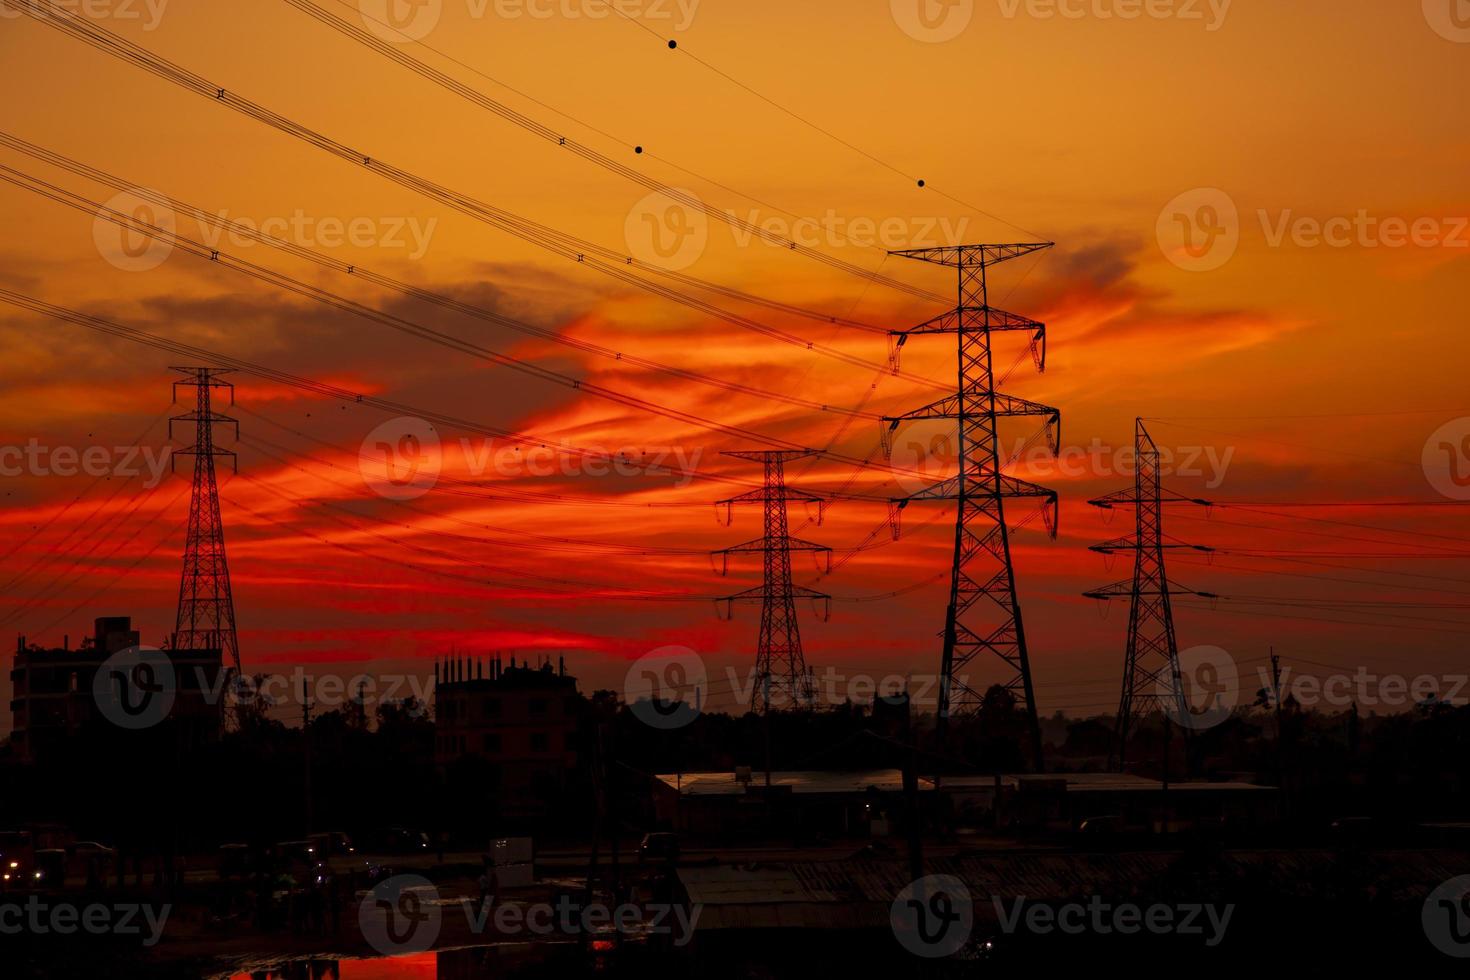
[
  {"x": 766, "y": 724},
  {"x": 779, "y": 656},
  {"x": 206, "y": 610},
  {"x": 1151, "y": 677},
  {"x": 1281, "y": 747},
  {"x": 614, "y": 853},
  {"x": 983, "y": 617},
  {"x": 599, "y": 803},
  {"x": 911, "y": 792},
  {"x": 1276, "y": 692},
  {"x": 306, "y": 748}
]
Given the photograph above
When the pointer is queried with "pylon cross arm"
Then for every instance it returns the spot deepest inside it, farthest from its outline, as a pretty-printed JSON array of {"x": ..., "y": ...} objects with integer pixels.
[{"x": 972, "y": 255}]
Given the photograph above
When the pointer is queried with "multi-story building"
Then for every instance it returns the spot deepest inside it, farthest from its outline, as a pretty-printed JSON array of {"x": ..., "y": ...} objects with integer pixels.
[
  {"x": 54, "y": 707},
  {"x": 521, "y": 722}
]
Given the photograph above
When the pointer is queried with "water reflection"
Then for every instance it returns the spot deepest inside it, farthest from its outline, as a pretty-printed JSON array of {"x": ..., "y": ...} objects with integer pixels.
[
  {"x": 419, "y": 966},
  {"x": 473, "y": 963}
]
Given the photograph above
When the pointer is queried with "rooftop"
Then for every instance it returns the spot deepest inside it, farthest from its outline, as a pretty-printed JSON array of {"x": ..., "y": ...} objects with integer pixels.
[
  {"x": 891, "y": 781},
  {"x": 800, "y": 782}
]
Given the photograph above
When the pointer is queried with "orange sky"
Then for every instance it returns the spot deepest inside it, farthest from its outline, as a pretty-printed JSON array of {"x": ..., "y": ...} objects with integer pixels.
[{"x": 1090, "y": 128}]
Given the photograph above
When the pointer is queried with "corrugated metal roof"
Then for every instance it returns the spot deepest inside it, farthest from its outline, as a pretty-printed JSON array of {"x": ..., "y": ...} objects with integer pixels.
[
  {"x": 891, "y": 781},
  {"x": 1083, "y": 782},
  {"x": 805, "y": 782},
  {"x": 858, "y": 893}
]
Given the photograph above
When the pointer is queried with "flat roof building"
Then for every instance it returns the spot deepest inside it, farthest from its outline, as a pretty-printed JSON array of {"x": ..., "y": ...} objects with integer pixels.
[
  {"x": 54, "y": 709},
  {"x": 522, "y": 723}
]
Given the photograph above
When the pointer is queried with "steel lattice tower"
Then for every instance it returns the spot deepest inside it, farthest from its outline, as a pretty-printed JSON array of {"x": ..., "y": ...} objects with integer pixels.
[
  {"x": 983, "y": 617},
  {"x": 1151, "y": 678},
  {"x": 779, "y": 661},
  {"x": 206, "y": 616}
]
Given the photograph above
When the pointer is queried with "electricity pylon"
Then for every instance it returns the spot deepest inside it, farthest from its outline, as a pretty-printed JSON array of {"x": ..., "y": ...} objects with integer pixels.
[
  {"x": 1151, "y": 678},
  {"x": 983, "y": 617},
  {"x": 779, "y": 661},
  {"x": 206, "y": 616}
]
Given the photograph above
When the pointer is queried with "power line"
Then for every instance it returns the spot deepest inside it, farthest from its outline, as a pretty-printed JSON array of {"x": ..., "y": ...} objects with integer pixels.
[
  {"x": 357, "y": 271},
  {"x": 337, "y": 301},
  {"x": 402, "y": 58},
  {"x": 306, "y": 384},
  {"x": 918, "y": 181},
  {"x": 613, "y": 264},
  {"x": 19, "y": 543},
  {"x": 1338, "y": 622}
]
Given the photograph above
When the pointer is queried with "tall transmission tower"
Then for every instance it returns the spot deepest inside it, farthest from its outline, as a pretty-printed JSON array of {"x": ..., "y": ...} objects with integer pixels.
[
  {"x": 983, "y": 618},
  {"x": 206, "y": 616},
  {"x": 1151, "y": 676},
  {"x": 779, "y": 661}
]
